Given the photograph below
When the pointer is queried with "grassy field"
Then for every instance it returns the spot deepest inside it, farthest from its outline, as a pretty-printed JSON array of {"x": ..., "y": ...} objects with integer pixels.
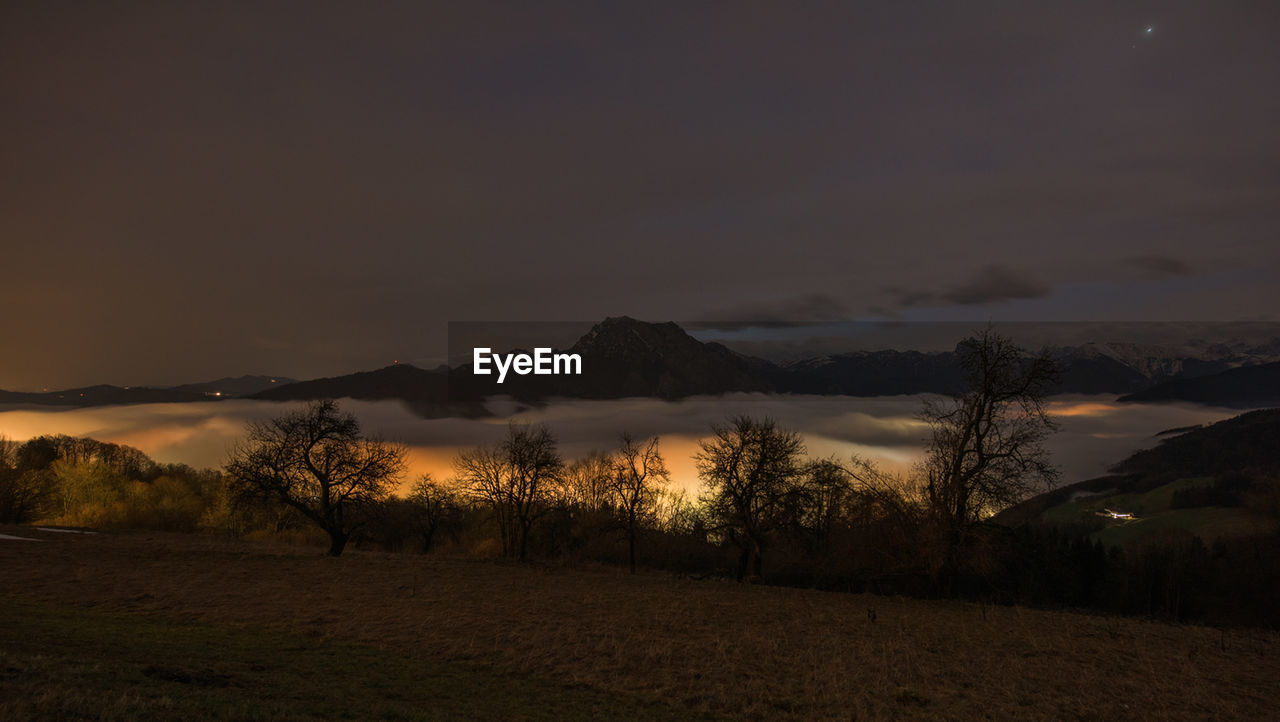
[
  {"x": 136, "y": 625},
  {"x": 1208, "y": 523},
  {"x": 1154, "y": 515},
  {"x": 1148, "y": 503},
  {"x": 69, "y": 662}
]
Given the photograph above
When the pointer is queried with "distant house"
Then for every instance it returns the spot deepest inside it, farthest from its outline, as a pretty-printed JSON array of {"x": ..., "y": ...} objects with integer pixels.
[{"x": 1115, "y": 514}]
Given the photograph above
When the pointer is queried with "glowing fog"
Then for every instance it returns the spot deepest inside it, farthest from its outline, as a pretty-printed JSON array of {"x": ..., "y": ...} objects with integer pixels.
[{"x": 1095, "y": 432}]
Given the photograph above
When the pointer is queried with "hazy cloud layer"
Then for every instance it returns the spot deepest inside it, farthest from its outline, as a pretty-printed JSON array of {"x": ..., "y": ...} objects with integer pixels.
[
  {"x": 990, "y": 284},
  {"x": 1154, "y": 265},
  {"x": 1095, "y": 432}
]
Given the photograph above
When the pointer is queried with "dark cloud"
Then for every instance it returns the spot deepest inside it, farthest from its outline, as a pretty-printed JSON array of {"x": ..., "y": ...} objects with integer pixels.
[
  {"x": 994, "y": 284},
  {"x": 1154, "y": 265},
  {"x": 797, "y": 311},
  {"x": 910, "y": 299},
  {"x": 991, "y": 284}
]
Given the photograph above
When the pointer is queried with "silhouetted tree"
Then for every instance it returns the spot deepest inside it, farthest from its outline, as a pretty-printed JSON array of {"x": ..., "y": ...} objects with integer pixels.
[
  {"x": 749, "y": 470},
  {"x": 517, "y": 479},
  {"x": 317, "y": 462},
  {"x": 25, "y": 492},
  {"x": 985, "y": 451},
  {"x": 436, "y": 507},
  {"x": 678, "y": 514},
  {"x": 825, "y": 492},
  {"x": 588, "y": 483},
  {"x": 41, "y": 451},
  {"x": 640, "y": 475}
]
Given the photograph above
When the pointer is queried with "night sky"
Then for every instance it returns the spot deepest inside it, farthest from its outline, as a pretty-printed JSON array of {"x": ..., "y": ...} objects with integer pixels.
[{"x": 200, "y": 190}]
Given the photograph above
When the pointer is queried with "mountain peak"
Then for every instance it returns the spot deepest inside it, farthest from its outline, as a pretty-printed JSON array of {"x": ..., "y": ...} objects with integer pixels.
[{"x": 620, "y": 336}]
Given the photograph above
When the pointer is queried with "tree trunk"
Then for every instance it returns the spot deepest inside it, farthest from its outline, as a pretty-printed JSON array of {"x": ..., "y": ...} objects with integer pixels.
[
  {"x": 631, "y": 550},
  {"x": 508, "y": 532},
  {"x": 337, "y": 542},
  {"x": 949, "y": 572}
]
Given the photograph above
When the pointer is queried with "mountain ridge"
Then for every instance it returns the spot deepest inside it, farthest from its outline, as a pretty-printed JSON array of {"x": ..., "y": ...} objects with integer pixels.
[
  {"x": 624, "y": 357},
  {"x": 109, "y": 394},
  {"x": 1242, "y": 387}
]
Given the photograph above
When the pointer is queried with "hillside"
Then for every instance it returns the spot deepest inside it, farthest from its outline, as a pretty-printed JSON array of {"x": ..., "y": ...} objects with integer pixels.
[
  {"x": 1246, "y": 387},
  {"x": 164, "y": 625},
  {"x": 426, "y": 392},
  {"x": 875, "y": 373},
  {"x": 102, "y": 395},
  {"x": 1199, "y": 481},
  {"x": 237, "y": 386},
  {"x": 1234, "y": 445},
  {"x": 108, "y": 395}
]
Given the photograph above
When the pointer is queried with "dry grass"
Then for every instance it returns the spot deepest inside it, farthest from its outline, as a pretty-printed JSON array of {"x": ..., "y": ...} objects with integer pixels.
[{"x": 707, "y": 647}]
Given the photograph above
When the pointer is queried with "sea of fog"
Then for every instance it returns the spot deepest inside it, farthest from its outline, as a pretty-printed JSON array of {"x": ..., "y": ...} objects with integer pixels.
[{"x": 1095, "y": 432}]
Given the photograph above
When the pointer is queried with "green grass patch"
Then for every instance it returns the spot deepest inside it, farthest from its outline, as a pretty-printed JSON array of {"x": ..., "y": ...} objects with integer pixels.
[
  {"x": 1155, "y": 515},
  {"x": 1150, "y": 503},
  {"x": 1208, "y": 523},
  {"x": 59, "y": 661}
]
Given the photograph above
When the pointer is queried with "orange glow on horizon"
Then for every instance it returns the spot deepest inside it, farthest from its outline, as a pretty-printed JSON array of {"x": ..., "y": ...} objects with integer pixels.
[{"x": 1091, "y": 408}]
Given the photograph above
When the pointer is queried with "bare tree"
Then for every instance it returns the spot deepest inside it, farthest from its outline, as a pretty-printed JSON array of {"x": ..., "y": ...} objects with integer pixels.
[
  {"x": 437, "y": 507},
  {"x": 640, "y": 475},
  {"x": 825, "y": 492},
  {"x": 749, "y": 470},
  {"x": 517, "y": 478},
  {"x": 588, "y": 483},
  {"x": 679, "y": 514},
  {"x": 985, "y": 451},
  {"x": 317, "y": 462},
  {"x": 482, "y": 474}
]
